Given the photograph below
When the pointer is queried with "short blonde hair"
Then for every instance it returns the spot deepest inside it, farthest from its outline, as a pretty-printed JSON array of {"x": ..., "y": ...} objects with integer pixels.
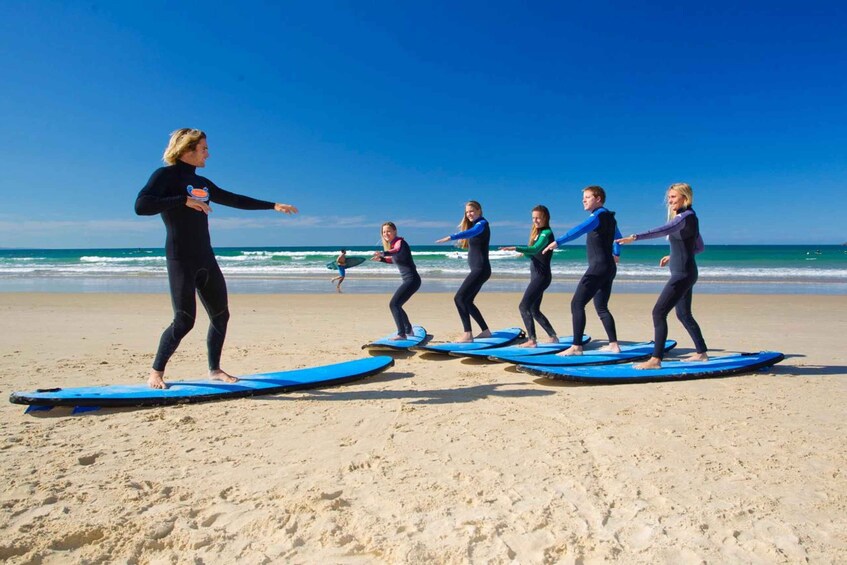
[
  {"x": 183, "y": 140},
  {"x": 685, "y": 191}
]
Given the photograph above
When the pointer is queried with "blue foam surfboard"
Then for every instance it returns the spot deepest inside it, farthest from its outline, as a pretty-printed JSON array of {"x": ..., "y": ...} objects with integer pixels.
[
  {"x": 540, "y": 349},
  {"x": 183, "y": 392},
  {"x": 635, "y": 352},
  {"x": 671, "y": 370},
  {"x": 350, "y": 263},
  {"x": 500, "y": 337},
  {"x": 387, "y": 342}
]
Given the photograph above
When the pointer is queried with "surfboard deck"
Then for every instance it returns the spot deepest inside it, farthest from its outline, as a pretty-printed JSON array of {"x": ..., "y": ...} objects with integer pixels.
[
  {"x": 184, "y": 392},
  {"x": 629, "y": 353},
  {"x": 351, "y": 262},
  {"x": 499, "y": 337},
  {"x": 514, "y": 350},
  {"x": 723, "y": 366},
  {"x": 417, "y": 337}
]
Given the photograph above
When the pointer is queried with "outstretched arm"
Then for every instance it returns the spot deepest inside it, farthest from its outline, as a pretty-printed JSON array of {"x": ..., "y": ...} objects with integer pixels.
[
  {"x": 542, "y": 241},
  {"x": 227, "y": 198},
  {"x": 616, "y": 247},
  {"x": 474, "y": 231},
  {"x": 589, "y": 224}
]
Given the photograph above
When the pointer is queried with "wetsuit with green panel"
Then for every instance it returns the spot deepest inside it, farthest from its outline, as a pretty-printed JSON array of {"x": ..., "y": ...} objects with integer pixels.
[{"x": 540, "y": 278}]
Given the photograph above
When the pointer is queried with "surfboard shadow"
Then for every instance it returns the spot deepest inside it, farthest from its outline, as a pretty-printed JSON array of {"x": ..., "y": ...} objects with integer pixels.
[
  {"x": 395, "y": 353},
  {"x": 808, "y": 370},
  {"x": 458, "y": 395}
]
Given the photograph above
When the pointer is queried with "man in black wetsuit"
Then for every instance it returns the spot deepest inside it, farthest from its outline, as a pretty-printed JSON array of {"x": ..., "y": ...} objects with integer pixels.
[{"x": 182, "y": 198}]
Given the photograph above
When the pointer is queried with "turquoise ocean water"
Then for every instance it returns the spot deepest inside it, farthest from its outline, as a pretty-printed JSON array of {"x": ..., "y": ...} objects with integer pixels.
[{"x": 754, "y": 269}]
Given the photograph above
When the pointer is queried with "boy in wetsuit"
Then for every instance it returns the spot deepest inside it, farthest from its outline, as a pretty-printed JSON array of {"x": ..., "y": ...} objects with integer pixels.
[{"x": 341, "y": 261}]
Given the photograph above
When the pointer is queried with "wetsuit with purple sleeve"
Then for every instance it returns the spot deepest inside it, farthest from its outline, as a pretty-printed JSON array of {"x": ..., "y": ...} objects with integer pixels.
[
  {"x": 400, "y": 254},
  {"x": 540, "y": 278},
  {"x": 479, "y": 237},
  {"x": 188, "y": 250},
  {"x": 683, "y": 233},
  {"x": 601, "y": 230}
]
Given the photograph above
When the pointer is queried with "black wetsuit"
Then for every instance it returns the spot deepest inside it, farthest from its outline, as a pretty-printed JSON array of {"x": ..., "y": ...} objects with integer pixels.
[
  {"x": 684, "y": 237},
  {"x": 401, "y": 255},
  {"x": 539, "y": 280},
  {"x": 602, "y": 230},
  {"x": 478, "y": 236},
  {"x": 190, "y": 258}
]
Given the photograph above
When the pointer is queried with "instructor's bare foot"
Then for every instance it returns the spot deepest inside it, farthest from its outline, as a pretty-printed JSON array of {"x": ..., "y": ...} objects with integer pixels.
[
  {"x": 652, "y": 363},
  {"x": 484, "y": 333},
  {"x": 220, "y": 375},
  {"x": 398, "y": 337},
  {"x": 466, "y": 337},
  {"x": 571, "y": 351},
  {"x": 552, "y": 339},
  {"x": 612, "y": 347},
  {"x": 156, "y": 380},
  {"x": 529, "y": 343},
  {"x": 698, "y": 357}
]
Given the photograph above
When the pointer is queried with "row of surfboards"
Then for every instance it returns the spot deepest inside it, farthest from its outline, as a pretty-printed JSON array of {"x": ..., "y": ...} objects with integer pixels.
[{"x": 595, "y": 366}]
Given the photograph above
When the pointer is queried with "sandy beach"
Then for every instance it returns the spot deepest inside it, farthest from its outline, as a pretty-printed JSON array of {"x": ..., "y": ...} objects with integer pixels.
[{"x": 437, "y": 460}]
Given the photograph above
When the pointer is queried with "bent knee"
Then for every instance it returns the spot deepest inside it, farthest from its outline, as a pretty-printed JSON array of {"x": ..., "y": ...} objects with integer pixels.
[{"x": 182, "y": 324}]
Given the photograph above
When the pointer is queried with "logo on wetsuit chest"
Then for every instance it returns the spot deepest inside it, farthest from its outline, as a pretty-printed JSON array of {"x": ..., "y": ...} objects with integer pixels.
[{"x": 201, "y": 194}]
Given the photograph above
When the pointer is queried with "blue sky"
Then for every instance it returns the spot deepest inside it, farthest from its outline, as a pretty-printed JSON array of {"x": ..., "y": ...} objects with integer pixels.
[{"x": 361, "y": 112}]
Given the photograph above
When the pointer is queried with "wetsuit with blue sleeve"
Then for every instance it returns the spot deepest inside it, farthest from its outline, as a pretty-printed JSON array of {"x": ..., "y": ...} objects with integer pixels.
[
  {"x": 683, "y": 233},
  {"x": 400, "y": 254},
  {"x": 478, "y": 236},
  {"x": 540, "y": 278},
  {"x": 188, "y": 249},
  {"x": 601, "y": 230}
]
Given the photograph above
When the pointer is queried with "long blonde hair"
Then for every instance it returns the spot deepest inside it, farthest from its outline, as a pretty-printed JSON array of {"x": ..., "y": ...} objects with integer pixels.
[
  {"x": 466, "y": 224},
  {"x": 386, "y": 245},
  {"x": 183, "y": 140},
  {"x": 545, "y": 215}
]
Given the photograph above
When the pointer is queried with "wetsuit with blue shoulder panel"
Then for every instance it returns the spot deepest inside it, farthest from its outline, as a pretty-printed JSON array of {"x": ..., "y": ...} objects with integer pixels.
[{"x": 601, "y": 231}]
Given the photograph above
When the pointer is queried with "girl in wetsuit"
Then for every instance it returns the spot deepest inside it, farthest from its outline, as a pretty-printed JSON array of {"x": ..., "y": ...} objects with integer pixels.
[
  {"x": 474, "y": 236},
  {"x": 683, "y": 231},
  {"x": 602, "y": 230},
  {"x": 397, "y": 251},
  {"x": 540, "y": 276},
  {"x": 182, "y": 198}
]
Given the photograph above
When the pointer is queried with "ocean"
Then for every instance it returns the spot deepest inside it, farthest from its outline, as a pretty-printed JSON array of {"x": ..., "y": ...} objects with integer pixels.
[
  {"x": 753, "y": 269},
  {"x": 737, "y": 269}
]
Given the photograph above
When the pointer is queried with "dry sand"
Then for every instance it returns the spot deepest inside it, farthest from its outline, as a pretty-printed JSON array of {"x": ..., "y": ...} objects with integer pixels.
[{"x": 436, "y": 460}]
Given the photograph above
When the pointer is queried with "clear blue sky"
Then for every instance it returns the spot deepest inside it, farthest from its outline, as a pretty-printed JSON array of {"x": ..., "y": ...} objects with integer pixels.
[{"x": 361, "y": 112}]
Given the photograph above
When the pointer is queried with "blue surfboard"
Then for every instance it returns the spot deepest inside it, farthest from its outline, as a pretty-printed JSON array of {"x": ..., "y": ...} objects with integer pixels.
[
  {"x": 635, "y": 352},
  {"x": 723, "y": 366},
  {"x": 183, "y": 392},
  {"x": 500, "y": 337},
  {"x": 387, "y": 342},
  {"x": 540, "y": 349}
]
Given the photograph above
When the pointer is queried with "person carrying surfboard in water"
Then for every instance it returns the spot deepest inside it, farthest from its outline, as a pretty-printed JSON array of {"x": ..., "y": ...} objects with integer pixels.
[
  {"x": 397, "y": 251},
  {"x": 341, "y": 261},
  {"x": 182, "y": 198},
  {"x": 683, "y": 233},
  {"x": 600, "y": 229},
  {"x": 474, "y": 236},
  {"x": 540, "y": 276}
]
